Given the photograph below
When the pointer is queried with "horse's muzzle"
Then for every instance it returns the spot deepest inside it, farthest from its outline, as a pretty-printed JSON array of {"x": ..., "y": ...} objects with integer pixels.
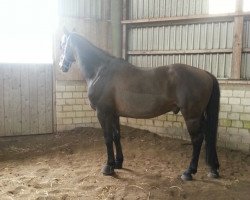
[{"x": 64, "y": 65}]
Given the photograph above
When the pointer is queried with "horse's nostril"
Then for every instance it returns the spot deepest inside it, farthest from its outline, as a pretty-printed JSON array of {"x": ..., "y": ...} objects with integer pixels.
[{"x": 64, "y": 69}]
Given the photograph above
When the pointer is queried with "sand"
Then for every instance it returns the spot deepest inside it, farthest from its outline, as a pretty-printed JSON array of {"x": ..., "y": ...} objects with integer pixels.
[{"x": 67, "y": 166}]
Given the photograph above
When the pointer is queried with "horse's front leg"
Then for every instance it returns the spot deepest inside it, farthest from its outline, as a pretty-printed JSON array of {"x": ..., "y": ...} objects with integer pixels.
[
  {"x": 118, "y": 146},
  {"x": 106, "y": 120}
]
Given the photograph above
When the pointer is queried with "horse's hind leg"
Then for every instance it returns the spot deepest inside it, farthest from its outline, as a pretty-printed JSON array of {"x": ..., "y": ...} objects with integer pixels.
[
  {"x": 194, "y": 127},
  {"x": 118, "y": 146},
  {"x": 106, "y": 120}
]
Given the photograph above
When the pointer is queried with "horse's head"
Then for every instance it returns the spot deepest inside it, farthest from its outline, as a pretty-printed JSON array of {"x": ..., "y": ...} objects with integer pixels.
[{"x": 67, "y": 57}]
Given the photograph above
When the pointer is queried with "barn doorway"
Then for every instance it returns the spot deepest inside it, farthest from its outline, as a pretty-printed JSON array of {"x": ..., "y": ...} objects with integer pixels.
[{"x": 26, "y": 66}]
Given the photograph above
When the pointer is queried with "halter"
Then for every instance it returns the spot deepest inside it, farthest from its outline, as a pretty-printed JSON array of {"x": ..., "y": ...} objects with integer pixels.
[{"x": 65, "y": 62}]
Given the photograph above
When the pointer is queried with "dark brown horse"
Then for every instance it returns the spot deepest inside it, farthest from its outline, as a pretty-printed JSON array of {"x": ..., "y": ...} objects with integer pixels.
[{"x": 117, "y": 88}]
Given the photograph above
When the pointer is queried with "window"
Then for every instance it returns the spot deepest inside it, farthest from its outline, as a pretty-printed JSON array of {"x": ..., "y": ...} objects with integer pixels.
[
  {"x": 221, "y": 6},
  {"x": 226, "y": 6},
  {"x": 27, "y": 28},
  {"x": 246, "y": 5}
]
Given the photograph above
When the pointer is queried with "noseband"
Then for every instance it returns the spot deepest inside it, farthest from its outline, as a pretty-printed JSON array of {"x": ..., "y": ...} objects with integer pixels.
[{"x": 65, "y": 63}]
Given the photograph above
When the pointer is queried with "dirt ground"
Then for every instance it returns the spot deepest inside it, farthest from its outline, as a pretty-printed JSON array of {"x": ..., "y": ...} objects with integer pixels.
[{"x": 67, "y": 166}]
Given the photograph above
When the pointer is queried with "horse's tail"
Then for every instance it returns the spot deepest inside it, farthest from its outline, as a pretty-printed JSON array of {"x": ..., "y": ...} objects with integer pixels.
[{"x": 212, "y": 117}]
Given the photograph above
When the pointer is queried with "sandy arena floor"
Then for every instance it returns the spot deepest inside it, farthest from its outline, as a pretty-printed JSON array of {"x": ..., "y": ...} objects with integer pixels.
[{"x": 67, "y": 166}]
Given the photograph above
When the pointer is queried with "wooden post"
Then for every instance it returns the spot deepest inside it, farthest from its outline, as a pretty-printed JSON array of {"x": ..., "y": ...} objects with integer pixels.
[
  {"x": 116, "y": 17},
  {"x": 124, "y": 29},
  {"x": 237, "y": 42}
]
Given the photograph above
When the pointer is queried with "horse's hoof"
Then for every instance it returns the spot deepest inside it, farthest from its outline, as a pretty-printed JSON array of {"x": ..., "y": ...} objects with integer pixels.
[
  {"x": 108, "y": 170},
  {"x": 213, "y": 174},
  {"x": 118, "y": 165},
  {"x": 186, "y": 176}
]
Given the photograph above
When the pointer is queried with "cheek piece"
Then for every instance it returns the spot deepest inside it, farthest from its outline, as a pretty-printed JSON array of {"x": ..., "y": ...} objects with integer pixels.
[{"x": 64, "y": 64}]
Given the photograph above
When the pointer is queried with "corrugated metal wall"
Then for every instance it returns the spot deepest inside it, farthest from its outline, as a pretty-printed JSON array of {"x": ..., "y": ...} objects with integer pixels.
[
  {"x": 182, "y": 37},
  {"x": 175, "y": 39},
  {"x": 88, "y": 9},
  {"x": 89, "y": 17},
  {"x": 245, "y": 68},
  {"x": 140, "y": 9},
  {"x": 206, "y": 44}
]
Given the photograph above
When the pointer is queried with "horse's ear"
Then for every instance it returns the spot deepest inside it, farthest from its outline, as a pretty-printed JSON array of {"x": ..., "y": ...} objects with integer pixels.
[{"x": 65, "y": 31}]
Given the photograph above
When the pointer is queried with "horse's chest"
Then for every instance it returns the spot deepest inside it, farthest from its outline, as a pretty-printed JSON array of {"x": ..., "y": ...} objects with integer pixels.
[
  {"x": 93, "y": 97},
  {"x": 95, "y": 94}
]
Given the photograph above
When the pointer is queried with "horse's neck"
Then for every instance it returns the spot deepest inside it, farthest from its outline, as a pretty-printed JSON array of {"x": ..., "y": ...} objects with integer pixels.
[{"x": 89, "y": 56}]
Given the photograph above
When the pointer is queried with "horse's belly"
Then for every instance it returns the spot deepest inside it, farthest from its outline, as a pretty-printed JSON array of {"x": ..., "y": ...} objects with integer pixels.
[{"x": 138, "y": 105}]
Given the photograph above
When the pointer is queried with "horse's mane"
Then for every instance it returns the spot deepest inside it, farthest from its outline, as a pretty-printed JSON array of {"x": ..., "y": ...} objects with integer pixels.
[{"x": 97, "y": 51}]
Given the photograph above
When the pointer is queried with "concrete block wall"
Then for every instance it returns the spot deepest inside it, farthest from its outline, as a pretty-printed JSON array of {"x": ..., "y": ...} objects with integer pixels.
[
  {"x": 73, "y": 110},
  {"x": 72, "y": 106},
  {"x": 234, "y": 124}
]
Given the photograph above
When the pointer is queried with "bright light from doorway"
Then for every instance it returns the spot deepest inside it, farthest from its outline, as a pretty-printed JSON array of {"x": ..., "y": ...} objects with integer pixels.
[
  {"x": 221, "y": 6},
  {"x": 246, "y": 5},
  {"x": 226, "y": 6},
  {"x": 27, "y": 28}
]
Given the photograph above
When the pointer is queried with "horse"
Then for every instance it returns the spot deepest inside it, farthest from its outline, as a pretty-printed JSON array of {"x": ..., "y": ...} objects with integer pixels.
[{"x": 116, "y": 88}]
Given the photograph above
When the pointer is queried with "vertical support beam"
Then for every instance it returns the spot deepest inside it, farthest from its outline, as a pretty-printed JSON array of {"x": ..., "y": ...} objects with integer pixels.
[
  {"x": 237, "y": 43},
  {"x": 124, "y": 29},
  {"x": 116, "y": 16}
]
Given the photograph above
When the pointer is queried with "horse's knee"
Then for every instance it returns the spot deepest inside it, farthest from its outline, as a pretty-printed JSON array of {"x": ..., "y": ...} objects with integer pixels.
[
  {"x": 197, "y": 138},
  {"x": 108, "y": 141},
  {"x": 116, "y": 136},
  {"x": 194, "y": 129},
  {"x": 193, "y": 124}
]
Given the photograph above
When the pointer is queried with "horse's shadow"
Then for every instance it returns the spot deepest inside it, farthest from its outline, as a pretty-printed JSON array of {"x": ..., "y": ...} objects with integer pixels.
[
  {"x": 129, "y": 170},
  {"x": 117, "y": 176}
]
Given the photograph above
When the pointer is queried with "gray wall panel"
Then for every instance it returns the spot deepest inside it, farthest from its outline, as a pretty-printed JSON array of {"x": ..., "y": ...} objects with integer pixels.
[
  {"x": 215, "y": 36},
  {"x": 141, "y": 9},
  {"x": 245, "y": 67},
  {"x": 181, "y": 37},
  {"x": 92, "y": 9},
  {"x": 203, "y": 36}
]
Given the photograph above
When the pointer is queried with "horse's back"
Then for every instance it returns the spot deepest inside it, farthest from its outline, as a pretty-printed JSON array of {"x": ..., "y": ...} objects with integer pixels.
[{"x": 159, "y": 79}]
